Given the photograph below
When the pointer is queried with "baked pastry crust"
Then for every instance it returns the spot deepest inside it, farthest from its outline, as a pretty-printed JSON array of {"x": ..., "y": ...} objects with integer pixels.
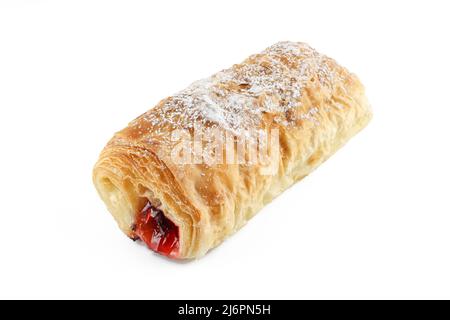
[{"x": 314, "y": 104}]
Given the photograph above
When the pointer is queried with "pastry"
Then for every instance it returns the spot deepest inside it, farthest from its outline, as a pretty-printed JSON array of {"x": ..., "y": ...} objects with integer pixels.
[{"x": 194, "y": 169}]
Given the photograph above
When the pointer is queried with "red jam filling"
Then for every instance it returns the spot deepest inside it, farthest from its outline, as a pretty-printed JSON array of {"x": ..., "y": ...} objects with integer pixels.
[{"x": 158, "y": 232}]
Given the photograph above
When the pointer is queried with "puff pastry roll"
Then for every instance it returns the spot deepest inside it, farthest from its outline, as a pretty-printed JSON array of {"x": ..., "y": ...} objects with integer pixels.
[{"x": 195, "y": 168}]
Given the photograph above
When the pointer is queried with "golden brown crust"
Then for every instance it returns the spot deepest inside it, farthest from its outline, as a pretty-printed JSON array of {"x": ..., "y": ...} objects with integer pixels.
[{"x": 314, "y": 104}]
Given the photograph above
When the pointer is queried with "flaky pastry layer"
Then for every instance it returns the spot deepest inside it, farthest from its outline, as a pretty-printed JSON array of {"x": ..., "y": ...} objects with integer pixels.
[{"x": 314, "y": 104}]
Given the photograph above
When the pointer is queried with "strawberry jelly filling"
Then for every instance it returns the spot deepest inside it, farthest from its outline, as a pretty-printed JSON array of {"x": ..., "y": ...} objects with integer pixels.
[{"x": 158, "y": 232}]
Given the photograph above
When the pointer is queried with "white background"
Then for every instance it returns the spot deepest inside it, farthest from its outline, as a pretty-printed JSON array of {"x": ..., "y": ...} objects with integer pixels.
[{"x": 372, "y": 222}]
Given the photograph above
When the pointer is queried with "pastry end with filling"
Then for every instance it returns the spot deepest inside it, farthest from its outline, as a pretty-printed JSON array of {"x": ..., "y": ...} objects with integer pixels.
[{"x": 138, "y": 217}]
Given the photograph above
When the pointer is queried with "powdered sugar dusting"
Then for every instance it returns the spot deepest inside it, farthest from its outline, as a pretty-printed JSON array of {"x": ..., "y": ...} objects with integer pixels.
[{"x": 236, "y": 99}]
